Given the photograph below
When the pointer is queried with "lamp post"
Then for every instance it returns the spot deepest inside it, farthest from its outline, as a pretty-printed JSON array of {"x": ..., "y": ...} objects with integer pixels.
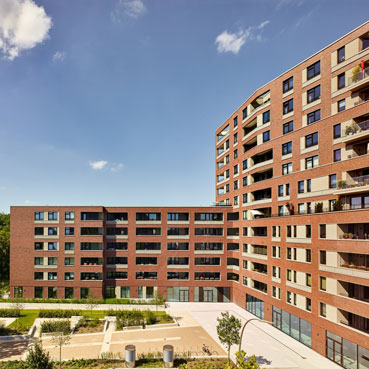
[{"x": 244, "y": 326}]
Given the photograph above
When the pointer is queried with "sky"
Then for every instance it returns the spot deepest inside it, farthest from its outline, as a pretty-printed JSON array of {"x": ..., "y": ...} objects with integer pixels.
[{"x": 116, "y": 102}]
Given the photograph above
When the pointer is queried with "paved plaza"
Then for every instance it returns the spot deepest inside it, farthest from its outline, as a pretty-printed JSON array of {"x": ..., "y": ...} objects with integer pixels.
[{"x": 197, "y": 326}]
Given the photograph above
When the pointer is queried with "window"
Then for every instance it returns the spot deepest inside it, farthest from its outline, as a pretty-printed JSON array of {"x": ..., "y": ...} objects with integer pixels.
[
  {"x": 235, "y": 122},
  {"x": 52, "y": 261},
  {"x": 84, "y": 292},
  {"x": 69, "y": 246},
  {"x": 39, "y": 293},
  {"x": 244, "y": 181},
  {"x": 39, "y": 246},
  {"x": 39, "y": 231},
  {"x": 313, "y": 116},
  {"x": 337, "y": 130},
  {"x": 322, "y": 309},
  {"x": 307, "y": 232},
  {"x": 287, "y": 189},
  {"x": 235, "y": 169},
  {"x": 266, "y": 136},
  {"x": 287, "y": 148},
  {"x": 235, "y": 154},
  {"x": 39, "y": 215},
  {"x": 52, "y": 246},
  {"x": 313, "y": 70},
  {"x": 337, "y": 155},
  {"x": 323, "y": 283},
  {"x": 69, "y": 276},
  {"x": 341, "y": 105},
  {"x": 322, "y": 230},
  {"x": 301, "y": 186},
  {"x": 69, "y": 261},
  {"x": 227, "y": 144},
  {"x": 280, "y": 190},
  {"x": 311, "y": 140},
  {"x": 341, "y": 54},
  {"x": 244, "y": 113},
  {"x": 235, "y": 200},
  {"x": 38, "y": 261},
  {"x": 69, "y": 293},
  {"x": 288, "y": 127},
  {"x": 227, "y": 173},
  {"x": 227, "y": 187},
  {"x": 286, "y": 168},
  {"x": 235, "y": 185},
  {"x": 235, "y": 138},
  {"x": 266, "y": 117},
  {"x": 52, "y": 231},
  {"x": 244, "y": 215},
  {"x": 276, "y": 251},
  {"x": 288, "y": 84},
  {"x": 244, "y": 164},
  {"x": 323, "y": 257},
  {"x": 308, "y": 304},
  {"x": 125, "y": 292},
  {"x": 308, "y": 255},
  {"x": 332, "y": 180},
  {"x": 244, "y": 198},
  {"x": 52, "y": 215},
  {"x": 52, "y": 276},
  {"x": 69, "y": 215},
  {"x": 280, "y": 210},
  {"x": 288, "y": 106},
  {"x": 69, "y": 231},
  {"x": 52, "y": 292},
  {"x": 341, "y": 81},
  {"x": 301, "y": 208},
  {"x": 38, "y": 276},
  {"x": 308, "y": 185},
  {"x": 311, "y": 162},
  {"x": 313, "y": 94},
  {"x": 227, "y": 159}
]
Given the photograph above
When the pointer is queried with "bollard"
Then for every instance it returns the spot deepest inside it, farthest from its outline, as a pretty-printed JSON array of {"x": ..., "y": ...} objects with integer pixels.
[
  {"x": 130, "y": 356},
  {"x": 168, "y": 356}
]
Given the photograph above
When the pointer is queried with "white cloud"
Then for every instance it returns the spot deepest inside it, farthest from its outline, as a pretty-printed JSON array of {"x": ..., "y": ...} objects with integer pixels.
[
  {"x": 128, "y": 8},
  {"x": 116, "y": 167},
  {"x": 23, "y": 25},
  {"x": 30, "y": 202},
  {"x": 58, "y": 56},
  {"x": 98, "y": 165},
  {"x": 232, "y": 42}
]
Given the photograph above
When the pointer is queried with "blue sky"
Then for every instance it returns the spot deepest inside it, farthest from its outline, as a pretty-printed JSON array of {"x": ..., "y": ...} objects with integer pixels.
[{"x": 116, "y": 102}]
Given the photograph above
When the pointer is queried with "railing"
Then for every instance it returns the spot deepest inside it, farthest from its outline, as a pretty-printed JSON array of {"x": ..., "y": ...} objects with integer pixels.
[
  {"x": 358, "y": 182},
  {"x": 356, "y": 128},
  {"x": 358, "y": 76}
]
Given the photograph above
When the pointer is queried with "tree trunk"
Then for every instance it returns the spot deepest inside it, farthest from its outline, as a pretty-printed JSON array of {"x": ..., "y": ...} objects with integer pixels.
[{"x": 229, "y": 355}]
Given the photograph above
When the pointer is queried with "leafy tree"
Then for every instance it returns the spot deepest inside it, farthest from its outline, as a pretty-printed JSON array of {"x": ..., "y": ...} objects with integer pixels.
[
  {"x": 242, "y": 363},
  {"x": 158, "y": 299},
  {"x": 228, "y": 330},
  {"x": 4, "y": 246},
  {"x": 38, "y": 358}
]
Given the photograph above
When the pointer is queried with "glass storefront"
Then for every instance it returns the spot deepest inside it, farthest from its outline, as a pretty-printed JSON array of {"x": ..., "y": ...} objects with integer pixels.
[
  {"x": 255, "y": 306},
  {"x": 178, "y": 294},
  {"x": 297, "y": 328},
  {"x": 211, "y": 294}
]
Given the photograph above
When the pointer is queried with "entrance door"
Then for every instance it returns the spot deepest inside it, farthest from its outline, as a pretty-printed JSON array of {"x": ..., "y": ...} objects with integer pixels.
[
  {"x": 208, "y": 295},
  {"x": 334, "y": 351},
  {"x": 183, "y": 295}
]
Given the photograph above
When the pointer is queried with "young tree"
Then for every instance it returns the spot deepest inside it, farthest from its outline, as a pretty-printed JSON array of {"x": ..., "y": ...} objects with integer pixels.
[
  {"x": 242, "y": 363},
  {"x": 17, "y": 306},
  {"x": 228, "y": 330},
  {"x": 59, "y": 340},
  {"x": 158, "y": 299},
  {"x": 91, "y": 302},
  {"x": 38, "y": 358}
]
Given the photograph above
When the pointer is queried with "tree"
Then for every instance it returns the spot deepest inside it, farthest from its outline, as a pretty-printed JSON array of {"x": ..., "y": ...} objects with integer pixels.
[
  {"x": 241, "y": 363},
  {"x": 91, "y": 302},
  {"x": 228, "y": 330},
  {"x": 17, "y": 306},
  {"x": 4, "y": 246},
  {"x": 38, "y": 358},
  {"x": 158, "y": 299},
  {"x": 59, "y": 340}
]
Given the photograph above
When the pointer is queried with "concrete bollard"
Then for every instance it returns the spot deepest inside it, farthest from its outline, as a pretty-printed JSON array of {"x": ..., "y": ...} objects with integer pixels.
[
  {"x": 130, "y": 356},
  {"x": 168, "y": 356}
]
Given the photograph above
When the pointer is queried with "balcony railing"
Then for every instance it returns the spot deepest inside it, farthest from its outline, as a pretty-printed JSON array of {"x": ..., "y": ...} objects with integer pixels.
[
  {"x": 355, "y": 128},
  {"x": 357, "y": 182},
  {"x": 358, "y": 77}
]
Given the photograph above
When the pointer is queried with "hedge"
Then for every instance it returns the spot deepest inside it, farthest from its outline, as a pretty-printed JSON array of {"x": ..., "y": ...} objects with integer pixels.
[
  {"x": 56, "y": 326},
  {"x": 58, "y": 313},
  {"x": 9, "y": 313}
]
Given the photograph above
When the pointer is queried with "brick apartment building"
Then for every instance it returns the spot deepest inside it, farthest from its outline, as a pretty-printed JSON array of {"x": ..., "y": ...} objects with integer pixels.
[{"x": 289, "y": 241}]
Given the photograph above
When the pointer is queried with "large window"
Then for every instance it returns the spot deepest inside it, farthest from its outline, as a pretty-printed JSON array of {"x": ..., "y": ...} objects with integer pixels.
[
  {"x": 311, "y": 140},
  {"x": 287, "y": 84},
  {"x": 286, "y": 168},
  {"x": 341, "y": 81},
  {"x": 288, "y": 106},
  {"x": 244, "y": 113},
  {"x": 266, "y": 116},
  {"x": 266, "y": 136},
  {"x": 148, "y": 216},
  {"x": 341, "y": 54},
  {"x": 341, "y": 105},
  {"x": 337, "y": 130},
  {"x": 337, "y": 155},
  {"x": 288, "y": 127},
  {"x": 287, "y": 148},
  {"x": 313, "y": 116},
  {"x": 313, "y": 70},
  {"x": 311, "y": 162},
  {"x": 292, "y": 325},
  {"x": 255, "y": 306},
  {"x": 313, "y": 94}
]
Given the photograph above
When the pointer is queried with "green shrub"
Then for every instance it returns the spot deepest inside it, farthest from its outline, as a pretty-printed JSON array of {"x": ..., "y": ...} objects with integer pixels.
[
  {"x": 9, "y": 313},
  {"x": 58, "y": 313},
  {"x": 37, "y": 358},
  {"x": 56, "y": 326}
]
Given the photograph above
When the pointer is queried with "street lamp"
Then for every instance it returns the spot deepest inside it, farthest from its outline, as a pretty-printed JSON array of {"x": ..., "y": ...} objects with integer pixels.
[{"x": 244, "y": 326}]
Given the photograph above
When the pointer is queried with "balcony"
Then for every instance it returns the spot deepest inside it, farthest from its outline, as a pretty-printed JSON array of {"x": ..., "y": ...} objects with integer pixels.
[
  {"x": 358, "y": 80},
  {"x": 207, "y": 276},
  {"x": 262, "y": 176},
  {"x": 223, "y": 134},
  {"x": 249, "y": 145},
  {"x": 353, "y": 291},
  {"x": 356, "y": 131},
  {"x": 354, "y": 261},
  {"x": 259, "y": 268},
  {"x": 91, "y": 276},
  {"x": 354, "y": 185},
  {"x": 353, "y": 321},
  {"x": 116, "y": 262},
  {"x": 233, "y": 277},
  {"x": 147, "y": 275},
  {"x": 91, "y": 261},
  {"x": 249, "y": 127},
  {"x": 353, "y": 231}
]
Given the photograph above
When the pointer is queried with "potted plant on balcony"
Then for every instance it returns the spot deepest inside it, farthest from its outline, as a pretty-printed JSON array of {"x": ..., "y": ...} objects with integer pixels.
[
  {"x": 337, "y": 205},
  {"x": 351, "y": 129},
  {"x": 355, "y": 73},
  {"x": 341, "y": 184},
  {"x": 318, "y": 207}
]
